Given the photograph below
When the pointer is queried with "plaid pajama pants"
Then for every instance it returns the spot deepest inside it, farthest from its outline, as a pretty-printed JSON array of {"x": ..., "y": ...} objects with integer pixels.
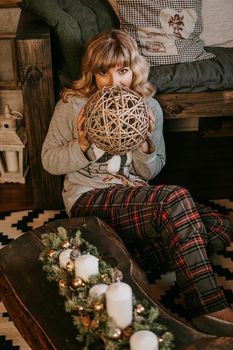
[{"x": 162, "y": 226}]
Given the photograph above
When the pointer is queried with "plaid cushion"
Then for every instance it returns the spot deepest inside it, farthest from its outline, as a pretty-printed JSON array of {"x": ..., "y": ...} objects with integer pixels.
[{"x": 167, "y": 31}]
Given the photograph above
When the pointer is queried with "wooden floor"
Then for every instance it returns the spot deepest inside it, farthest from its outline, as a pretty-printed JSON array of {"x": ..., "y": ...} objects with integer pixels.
[
  {"x": 204, "y": 165},
  {"x": 16, "y": 197}
]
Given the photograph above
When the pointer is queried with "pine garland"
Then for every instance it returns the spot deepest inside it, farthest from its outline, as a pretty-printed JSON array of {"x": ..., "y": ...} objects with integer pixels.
[{"x": 89, "y": 313}]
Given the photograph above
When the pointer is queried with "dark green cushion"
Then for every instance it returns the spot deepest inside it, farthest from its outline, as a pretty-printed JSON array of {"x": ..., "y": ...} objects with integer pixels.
[
  {"x": 73, "y": 22},
  {"x": 206, "y": 75}
]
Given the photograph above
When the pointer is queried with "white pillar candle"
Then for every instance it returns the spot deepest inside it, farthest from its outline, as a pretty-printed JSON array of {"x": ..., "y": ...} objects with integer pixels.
[
  {"x": 12, "y": 161},
  {"x": 86, "y": 265},
  {"x": 119, "y": 303},
  {"x": 144, "y": 340},
  {"x": 64, "y": 258},
  {"x": 97, "y": 290}
]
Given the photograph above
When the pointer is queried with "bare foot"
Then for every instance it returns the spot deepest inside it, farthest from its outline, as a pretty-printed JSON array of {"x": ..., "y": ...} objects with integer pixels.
[{"x": 224, "y": 314}]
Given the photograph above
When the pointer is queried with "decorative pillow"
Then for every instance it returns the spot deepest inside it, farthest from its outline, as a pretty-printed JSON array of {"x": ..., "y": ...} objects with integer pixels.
[
  {"x": 166, "y": 31},
  {"x": 206, "y": 75},
  {"x": 73, "y": 22},
  {"x": 217, "y": 23}
]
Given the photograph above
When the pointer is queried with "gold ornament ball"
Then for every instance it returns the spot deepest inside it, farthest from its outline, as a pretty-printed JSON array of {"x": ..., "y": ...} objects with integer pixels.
[
  {"x": 116, "y": 334},
  {"x": 139, "y": 309},
  {"x": 77, "y": 282},
  {"x": 62, "y": 284},
  {"x": 70, "y": 266},
  {"x": 80, "y": 308},
  {"x": 104, "y": 277},
  {"x": 116, "y": 119},
  {"x": 98, "y": 306},
  {"x": 51, "y": 253},
  {"x": 65, "y": 244}
]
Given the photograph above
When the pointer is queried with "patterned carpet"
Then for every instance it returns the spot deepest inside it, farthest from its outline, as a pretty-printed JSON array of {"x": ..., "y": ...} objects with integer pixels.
[{"x": 14, "y": 224}]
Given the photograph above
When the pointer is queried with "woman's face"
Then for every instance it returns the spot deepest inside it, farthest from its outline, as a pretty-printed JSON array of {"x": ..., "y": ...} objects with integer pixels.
[{"x": 114, "y": 76}]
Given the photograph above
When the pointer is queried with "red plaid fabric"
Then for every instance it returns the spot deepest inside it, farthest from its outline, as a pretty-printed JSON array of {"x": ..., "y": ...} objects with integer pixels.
[{"x": 162, "y": 227}]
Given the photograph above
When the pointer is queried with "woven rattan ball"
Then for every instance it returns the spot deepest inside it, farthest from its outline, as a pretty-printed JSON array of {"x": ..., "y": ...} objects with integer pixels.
[{"x": 116, "y": 119}]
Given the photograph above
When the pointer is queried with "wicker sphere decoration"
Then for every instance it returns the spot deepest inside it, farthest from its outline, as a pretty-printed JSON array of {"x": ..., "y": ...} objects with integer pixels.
[{"x": 117, "y": 119}]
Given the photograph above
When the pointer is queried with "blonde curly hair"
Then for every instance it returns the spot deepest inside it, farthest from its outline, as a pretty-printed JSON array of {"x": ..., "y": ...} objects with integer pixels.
[{"x": 107, "y": 50}]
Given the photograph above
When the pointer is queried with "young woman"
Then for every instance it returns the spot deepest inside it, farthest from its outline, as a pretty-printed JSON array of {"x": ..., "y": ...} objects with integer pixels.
[{"x": 160, "y": 225}]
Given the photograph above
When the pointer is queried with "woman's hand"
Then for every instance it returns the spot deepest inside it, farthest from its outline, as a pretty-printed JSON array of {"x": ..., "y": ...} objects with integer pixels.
[
  {"x": 82, "y": 134},
  {"x": 144, "y": 147}
]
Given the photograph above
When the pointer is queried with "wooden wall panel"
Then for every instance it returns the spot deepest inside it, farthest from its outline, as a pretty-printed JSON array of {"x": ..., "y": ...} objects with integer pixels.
[
  {"x": 38, "y": 97},
  {"x": 13, "y": 98},
  {"x": 9, "y": 18}
]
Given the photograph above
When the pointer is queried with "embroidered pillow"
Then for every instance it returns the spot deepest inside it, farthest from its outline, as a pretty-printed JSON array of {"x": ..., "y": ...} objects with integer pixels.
[{"x": 167, "y": 31}]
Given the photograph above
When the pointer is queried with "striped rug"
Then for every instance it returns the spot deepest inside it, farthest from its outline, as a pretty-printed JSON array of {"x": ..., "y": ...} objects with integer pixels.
[{"x": 14, "y": 224}]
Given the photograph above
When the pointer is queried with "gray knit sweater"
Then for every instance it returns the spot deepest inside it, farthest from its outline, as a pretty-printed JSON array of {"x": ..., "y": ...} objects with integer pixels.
[{"x": 61, "y": 155}]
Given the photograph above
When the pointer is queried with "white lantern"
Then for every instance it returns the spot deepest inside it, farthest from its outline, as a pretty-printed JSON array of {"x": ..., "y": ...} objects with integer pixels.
[{"x": 13, "y": 147}]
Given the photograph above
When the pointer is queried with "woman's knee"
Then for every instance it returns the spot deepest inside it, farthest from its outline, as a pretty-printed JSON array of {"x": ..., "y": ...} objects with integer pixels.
[
  {"x": 174, "y": 192},
  {"x": 220, "y": 232}
]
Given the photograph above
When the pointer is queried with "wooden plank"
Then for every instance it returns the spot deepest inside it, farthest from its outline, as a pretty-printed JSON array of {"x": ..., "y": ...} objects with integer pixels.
[
  {"x": 9, "y": 18},
  {"x": 197, "y": 104},
  {"x": 15, "y": 61},
  {"x": 9, "y": 3},
  {"x": 11, "y": 79},
  {"x": 12, "y": 96},
  {"x": 9, "y": 85},
  {"x": 7, "y": 36},
  {"x": 38, "y": 97},
  {"x": 17, "y": 197}
]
